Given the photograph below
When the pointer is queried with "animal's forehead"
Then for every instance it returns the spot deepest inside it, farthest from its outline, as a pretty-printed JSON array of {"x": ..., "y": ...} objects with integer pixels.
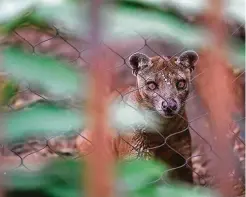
[
  {"x": 165, "y": 76},
  {"x": 162, "y": 66}
]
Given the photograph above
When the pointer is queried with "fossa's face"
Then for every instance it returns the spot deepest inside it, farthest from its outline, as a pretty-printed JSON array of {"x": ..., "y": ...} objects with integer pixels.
[{"x": 164, "y": 82}]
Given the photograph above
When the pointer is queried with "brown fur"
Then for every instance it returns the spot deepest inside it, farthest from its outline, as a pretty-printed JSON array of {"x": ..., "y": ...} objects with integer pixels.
[
  {"x": 174, "y": 150},
  {"x": 172, "y": 143}
]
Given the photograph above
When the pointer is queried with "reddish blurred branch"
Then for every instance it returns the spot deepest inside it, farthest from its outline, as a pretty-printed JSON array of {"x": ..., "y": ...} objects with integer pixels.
[
  {"x": 217, "y": 92},
  {"x": 100, "y": 165}
]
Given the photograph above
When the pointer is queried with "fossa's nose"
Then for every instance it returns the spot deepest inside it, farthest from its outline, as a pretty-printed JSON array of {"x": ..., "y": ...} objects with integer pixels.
[{"x": 169, "y": 106}]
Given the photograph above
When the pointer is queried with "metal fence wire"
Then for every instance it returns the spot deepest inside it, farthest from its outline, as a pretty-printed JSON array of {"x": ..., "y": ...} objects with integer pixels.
[{"x": 78, "y": 52}]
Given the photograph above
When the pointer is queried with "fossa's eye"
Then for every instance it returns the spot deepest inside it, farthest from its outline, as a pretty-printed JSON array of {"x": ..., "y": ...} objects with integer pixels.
[
  {"x": 181, "y": 84},
  {"x": 151, "y": 85}
]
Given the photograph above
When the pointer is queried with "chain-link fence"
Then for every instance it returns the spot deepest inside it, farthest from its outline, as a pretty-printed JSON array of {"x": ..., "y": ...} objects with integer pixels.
[{"x": 78, "y": 53}]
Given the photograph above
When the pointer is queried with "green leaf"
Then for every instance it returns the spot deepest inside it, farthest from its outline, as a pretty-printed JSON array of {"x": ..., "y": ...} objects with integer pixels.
[
  {"x": 14, "y": 13},
  {"x": 22, "y": 180},
  {"x": 140, "y": 173},
  {"x": 13, "y": 9},
  {"x": 152, "y": 20},
  {"x": 8, "y": 91},
  {"x": 232, "y": 10},
  {"x": 124, "y": 116},
  {"x": 150, "y": 190},
  {"x": 174, "y": 190},
  {"x": 71, "y": 21},
  {"x": 41, "y": 119},
  {"x": 183, "y": 6},
  {"x": 236, "y": 54},
  {"x": 63, "y": 192},
  {"x": 58, "y": 178},
  {"x": 60, "y": 168},
  {"x": 64, "y": 178},
  {"x": 132, "y": 17},
  {"x": 178, "y": 190},
  {"x": 56, "y": 78},
  {"x": 28, "y": 19}
]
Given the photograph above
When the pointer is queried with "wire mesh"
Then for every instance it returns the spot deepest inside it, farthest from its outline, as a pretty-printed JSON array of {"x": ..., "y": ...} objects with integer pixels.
[{"x": 78, "y": 53}]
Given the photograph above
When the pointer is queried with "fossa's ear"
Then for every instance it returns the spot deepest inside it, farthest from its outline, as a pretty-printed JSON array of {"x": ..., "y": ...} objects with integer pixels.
[
  {"x": 188, "y": 59},
  {"x": 138, "y": 62}
]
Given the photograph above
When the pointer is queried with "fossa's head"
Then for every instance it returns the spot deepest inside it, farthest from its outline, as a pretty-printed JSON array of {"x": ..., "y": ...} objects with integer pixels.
[{"x": 164, "y": 82}]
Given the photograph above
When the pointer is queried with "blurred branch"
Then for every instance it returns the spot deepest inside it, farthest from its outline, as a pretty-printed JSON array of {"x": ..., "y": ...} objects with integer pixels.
[
  {"x": 217, "y": 93},
  {"x": 99, "y": 176}
]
